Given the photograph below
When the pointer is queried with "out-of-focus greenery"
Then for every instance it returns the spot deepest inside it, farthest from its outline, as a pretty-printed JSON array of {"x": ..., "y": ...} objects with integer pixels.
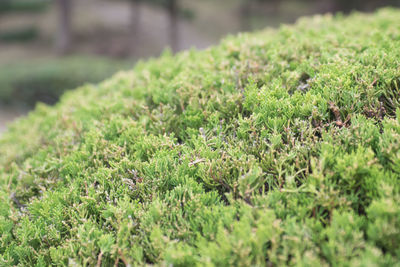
[
  {"x": 19, "y": 35},
  {"x": 22, "y": 34},
  {"x": 7, "y": 6},
  {"x": 46, "y": 80},
  {"x": 276, "y": 148}
]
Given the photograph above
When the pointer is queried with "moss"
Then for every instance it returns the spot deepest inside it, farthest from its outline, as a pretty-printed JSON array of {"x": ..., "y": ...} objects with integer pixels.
[{"x": 274, "y": 148}]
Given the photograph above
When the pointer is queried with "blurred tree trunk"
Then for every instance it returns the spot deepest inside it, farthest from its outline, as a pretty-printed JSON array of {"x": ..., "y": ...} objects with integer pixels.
[
  {"x": 63, "y": 42},
  {"x": 245, "y": 13},
  {"x": 135, "y": 24},
  {"x": 347, "y": 6},
  {"x": 324, "y": 6},
  {"x": 172, "y": 6},
  {"x": 277, "y": 5}
]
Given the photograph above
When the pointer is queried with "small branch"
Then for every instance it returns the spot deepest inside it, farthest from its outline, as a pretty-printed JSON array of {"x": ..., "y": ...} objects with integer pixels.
[
  {"x": 99, "y": 259},
  {"x": 192, "y": 163}
]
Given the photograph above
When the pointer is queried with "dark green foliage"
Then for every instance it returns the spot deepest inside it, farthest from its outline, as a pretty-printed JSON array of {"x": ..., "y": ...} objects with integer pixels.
[
  {"x": 46, "y": 80},
  {"x": 23, "y": 34},
  {"x": 274, "y": 148},
  {"x": 7, "y": 6}
]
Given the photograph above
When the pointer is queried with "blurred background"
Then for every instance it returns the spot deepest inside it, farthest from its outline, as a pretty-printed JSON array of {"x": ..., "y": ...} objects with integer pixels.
[{"x": 49, "y": 46}]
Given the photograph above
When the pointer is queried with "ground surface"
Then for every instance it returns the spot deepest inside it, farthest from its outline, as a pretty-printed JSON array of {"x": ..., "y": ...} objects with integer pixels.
[{"x": 102, "y": 27}]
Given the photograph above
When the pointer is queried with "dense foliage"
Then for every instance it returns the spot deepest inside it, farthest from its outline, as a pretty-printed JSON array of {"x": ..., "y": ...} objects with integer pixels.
[
  {"x": 46, "y": 80},
  {"x": 273, "y": 148}
]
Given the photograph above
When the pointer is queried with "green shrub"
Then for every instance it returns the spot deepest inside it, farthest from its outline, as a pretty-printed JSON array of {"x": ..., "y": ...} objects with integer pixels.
[
  {"x": 274, "y": 148},
  {"x": 46, "y": 80}
]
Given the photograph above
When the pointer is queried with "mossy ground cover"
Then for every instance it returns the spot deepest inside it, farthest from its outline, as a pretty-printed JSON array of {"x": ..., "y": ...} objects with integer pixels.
[{"x": 274, "y": 148}]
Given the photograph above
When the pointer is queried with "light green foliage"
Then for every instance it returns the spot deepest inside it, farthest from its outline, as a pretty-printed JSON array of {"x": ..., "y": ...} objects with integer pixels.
[{"x": 273, "y": 148}]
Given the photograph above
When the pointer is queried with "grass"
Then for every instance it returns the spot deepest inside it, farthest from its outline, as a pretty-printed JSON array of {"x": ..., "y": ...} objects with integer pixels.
[{"x": 274, "y": 148}]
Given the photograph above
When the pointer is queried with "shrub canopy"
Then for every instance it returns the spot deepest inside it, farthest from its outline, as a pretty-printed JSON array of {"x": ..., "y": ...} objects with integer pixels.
[{"x": 274, "y": 148}]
